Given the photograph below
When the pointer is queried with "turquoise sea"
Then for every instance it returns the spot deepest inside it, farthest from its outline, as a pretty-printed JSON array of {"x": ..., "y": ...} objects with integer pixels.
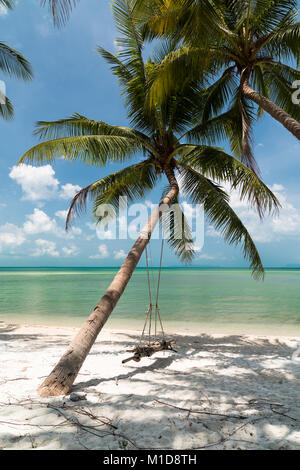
[{"x": 191, "y": 299}]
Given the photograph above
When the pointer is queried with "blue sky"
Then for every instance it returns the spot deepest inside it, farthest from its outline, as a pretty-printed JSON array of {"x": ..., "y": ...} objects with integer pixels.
[{"x": 70, "y": 77}]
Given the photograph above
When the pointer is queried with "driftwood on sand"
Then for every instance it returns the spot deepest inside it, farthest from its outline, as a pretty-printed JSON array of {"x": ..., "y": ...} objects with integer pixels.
[{"x": 148, "y": 351}]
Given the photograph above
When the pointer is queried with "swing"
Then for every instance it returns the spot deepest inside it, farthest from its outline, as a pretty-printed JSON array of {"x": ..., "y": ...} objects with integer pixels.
[{"x": 150, "y": 347}]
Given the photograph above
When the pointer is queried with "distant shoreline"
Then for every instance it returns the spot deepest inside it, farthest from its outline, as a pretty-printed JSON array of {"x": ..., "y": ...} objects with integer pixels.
[{"x": 183, "y": 268}]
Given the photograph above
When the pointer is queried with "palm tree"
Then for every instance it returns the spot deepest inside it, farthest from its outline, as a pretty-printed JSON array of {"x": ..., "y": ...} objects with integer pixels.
[
  {"x": 157, "y": 139},
  {"x": 249, "y": 45},
  {"x": 14, "y": 64},
  {"x": 60, "y": 9}
]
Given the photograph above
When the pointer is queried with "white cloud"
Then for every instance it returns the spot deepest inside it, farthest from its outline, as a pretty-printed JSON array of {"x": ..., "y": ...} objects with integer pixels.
[
  {"x": 72, "y": 232},
  {"x": 272, "y": 228},
  {"x": 40, "y": 222},
  {"x": 91, "y": 226},
  {"x": 39, "y": 183},
  {"x": 10, "y": 236},
  {"x": 61, "y": 214},
  {"x": 45, "y": 248},
  {"x": 90, "y": 237},
  {"x": 103, "y": 253},
  {"x": 105, "y": 234},
  {"x": 277, "y": 187},
  {"x": 69, "y": 190},
  {"x": 212, "y": 232},
  {"x": 71, "y": 250},
  {"x": 206, "y": 257},
  {"x": 120, "y": 254},
  {"x": 188, "y": 210}
]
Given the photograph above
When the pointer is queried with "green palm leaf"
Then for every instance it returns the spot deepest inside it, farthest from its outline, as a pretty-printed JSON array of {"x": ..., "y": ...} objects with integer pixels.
[
  {"x": 120, "y": 70},
  {"x": 176, "y": 228},
  {"x": 219, "y": 213},
  {"x": 78, "y": 125},
  {"x": 279, "y": 79},
  {"x": 6, "y": 108},
  {"x": 91, "y": 149},
  {"x": 132, "y": 182},
  {"x": 219, "y": 166},
  {"x": 235, "y": 125},
  {"x": 9, "y": 4},
  {"x": 13, "y": 63},
  {"x": 60, "y": 9}
]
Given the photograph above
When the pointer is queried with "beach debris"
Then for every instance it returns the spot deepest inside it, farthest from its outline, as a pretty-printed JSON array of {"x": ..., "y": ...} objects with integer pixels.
[
  {"x": 79, "y": 396},
  {"x": 148, "y": 351}
]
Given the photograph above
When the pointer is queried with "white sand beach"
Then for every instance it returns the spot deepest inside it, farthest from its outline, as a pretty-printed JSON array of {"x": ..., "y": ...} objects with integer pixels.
[{"x": 218, "y": 392}]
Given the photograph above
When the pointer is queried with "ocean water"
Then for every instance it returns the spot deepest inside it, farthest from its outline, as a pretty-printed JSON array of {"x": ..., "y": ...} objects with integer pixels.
[{"x": 191, "y": 299}]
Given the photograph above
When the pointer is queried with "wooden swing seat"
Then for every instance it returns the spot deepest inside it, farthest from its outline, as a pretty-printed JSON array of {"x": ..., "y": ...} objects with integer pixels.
[{"x": 148, "y": 351}]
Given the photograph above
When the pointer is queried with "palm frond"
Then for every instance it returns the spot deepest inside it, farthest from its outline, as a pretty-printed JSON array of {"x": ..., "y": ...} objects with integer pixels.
[
  {"x": 78, "y": 125},
  {"x": 234, "y": 125},
  {"x": 132, "y": 182},
  {"x": 9, "y": 4},
  {"x": 246, "y": 116},
  {"x": 120, "y": 70},
  {"x": 128, "y": 65},
  {"x": 91, "y": 149},
  {"x": 276, "y": 16},
  {"x": 279, "y": 79},
  {"x": 6, "y": 108},
  {"x": 13, "y": 63},
  {"x": 219, "y": 213},
  {"x": 60, "y": 9},
  {"x": 170, "y": 75},
  {"x": 180, "y": 19},
  {"x": 176, "y": 226},
  {"x": 131, "y": 42},
  {"x": 219, "y": 166},
  {"x": 211, "y": 131},
  {"x": 285, "y": 43},
  {"x": 217, "y": 96}
]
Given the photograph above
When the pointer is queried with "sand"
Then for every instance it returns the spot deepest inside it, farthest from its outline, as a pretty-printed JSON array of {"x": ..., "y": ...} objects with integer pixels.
[{"x": 218, "y": 392}]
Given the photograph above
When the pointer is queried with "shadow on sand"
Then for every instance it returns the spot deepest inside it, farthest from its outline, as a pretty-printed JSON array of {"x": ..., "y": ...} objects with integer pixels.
[{"x": 220, "y": 392}]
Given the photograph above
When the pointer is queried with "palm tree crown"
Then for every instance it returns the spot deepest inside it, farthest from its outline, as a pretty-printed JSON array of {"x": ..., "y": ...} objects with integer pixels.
[
  {"x": 166, "y": 140},
  {"x": 244, "y": 43}
]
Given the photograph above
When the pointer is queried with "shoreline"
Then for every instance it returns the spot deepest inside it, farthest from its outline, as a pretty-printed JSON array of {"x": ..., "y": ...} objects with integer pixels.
[
  {"x": 188, "y": 329},
  {"x": 242, "y": 392}
]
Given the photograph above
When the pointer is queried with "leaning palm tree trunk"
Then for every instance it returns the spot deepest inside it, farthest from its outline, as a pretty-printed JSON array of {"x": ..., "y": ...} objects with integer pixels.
[
  {"x": 277, "y": 113},
  {"x": 65, "y": 372}
]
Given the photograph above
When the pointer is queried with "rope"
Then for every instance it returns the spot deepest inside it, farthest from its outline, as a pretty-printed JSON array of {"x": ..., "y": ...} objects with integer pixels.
[
  {"x": 148, "y": 277},
  {"x": 150, "y": 308},
  {"x": 149, "y": 311},
  {"x": 157, "y": 312},
  {"x": 159, "y": 273}
]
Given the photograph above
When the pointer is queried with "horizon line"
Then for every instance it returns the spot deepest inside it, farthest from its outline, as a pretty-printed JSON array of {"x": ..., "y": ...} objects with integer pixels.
[{"x": 144, "y": 267}]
